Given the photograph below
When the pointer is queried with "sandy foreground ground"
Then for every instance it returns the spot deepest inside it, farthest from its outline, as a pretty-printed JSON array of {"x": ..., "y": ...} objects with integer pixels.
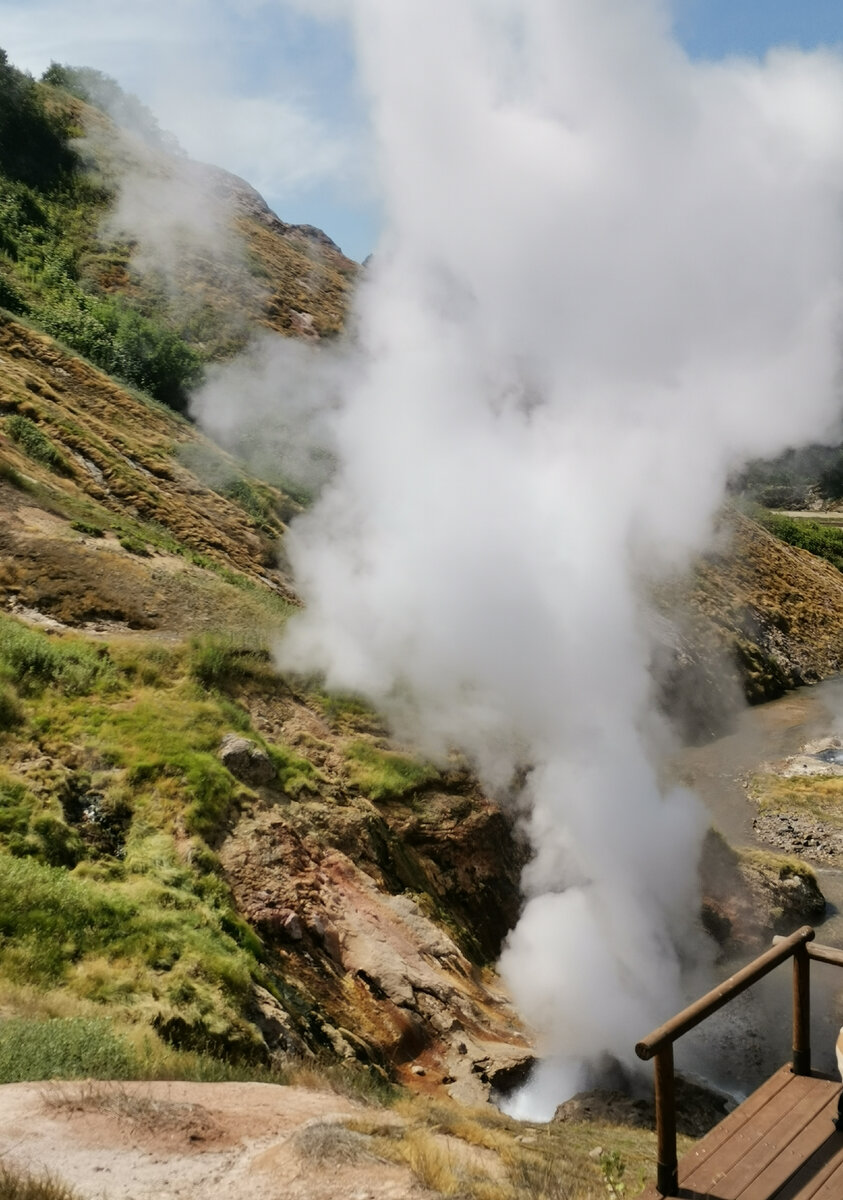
[{"x": 192, "y": 1141}]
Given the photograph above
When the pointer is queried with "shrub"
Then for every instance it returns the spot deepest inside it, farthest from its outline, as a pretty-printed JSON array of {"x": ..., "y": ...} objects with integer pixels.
[
  {"x": 826, "y": 541},
  {"x": 32, "y": 146},
  {"x": 254, "y": 502},
  {"x": 31, "y": 659},
  {"x": 11, "y": 713},
  {"x": 214, "y": 795},
  {"x": 48, "y": 917},
  {"x": 36, "y": 444},
  {"x": 54, "y": 842},
  {"x": 85, "y": 527},
  {"x": 133, "y": 545},
  {"x": 9, "y": 475},
  {"x": 216, "y": 661},
  {"x": 10, "y": 298},
  {"x": 15, "y": 807},
  {"x": 137, "y": 349}
]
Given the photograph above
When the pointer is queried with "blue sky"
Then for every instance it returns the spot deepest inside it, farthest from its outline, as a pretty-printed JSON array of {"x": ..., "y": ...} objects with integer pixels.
[{"x": 267, "y": 90}]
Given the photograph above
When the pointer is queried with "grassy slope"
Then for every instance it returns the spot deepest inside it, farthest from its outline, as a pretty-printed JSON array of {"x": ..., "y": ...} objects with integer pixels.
[
  {"x": 122, "y": 950},
  {"x": 60, "y": 267}
]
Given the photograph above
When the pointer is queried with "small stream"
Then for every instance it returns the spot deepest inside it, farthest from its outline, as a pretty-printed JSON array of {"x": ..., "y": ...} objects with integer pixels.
[{"x": 716, "y": 772}]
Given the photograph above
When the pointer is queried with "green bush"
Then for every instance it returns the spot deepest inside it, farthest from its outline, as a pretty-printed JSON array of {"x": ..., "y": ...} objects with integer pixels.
[
  {"x": 16, "y": 807},
  {"x": 135, "y": 348},
  {"x": 95, "y": 531},
  {"x": 63, "y": 1048},
  {"x": 253, "y": 501},
  {"x": 9, "y": 475},
  {"x": 211, "y": 789},
  {"x": 32, "y": 660},
  {"x": 54, "y": 842},
  {"x": 36, "y": 444},
  {"x": 49, "y": 918},
  {"x": 11, "y": 713},
  {"x": 10, "y": 298},
  {"x": 133, "y": 545},
  {"x": 826, "y": 541},
  {"x": 216, "y": 661},
  {"x": 33, "y": 147}
]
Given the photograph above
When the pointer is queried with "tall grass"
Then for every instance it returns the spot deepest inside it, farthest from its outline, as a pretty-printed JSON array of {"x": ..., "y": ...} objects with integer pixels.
[
  {"x": 63, "y": 1048},
  {"x": 11, "y": 712},
  {"x": 217, "y": 661},
  {"x": 21, "y": 1185},
  {"x": 34, "y": 442},
  {"x": 33, "y": 660}
]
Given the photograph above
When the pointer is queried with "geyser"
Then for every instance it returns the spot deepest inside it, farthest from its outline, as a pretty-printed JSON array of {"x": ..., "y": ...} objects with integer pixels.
[{"x": 608, "y": 276}]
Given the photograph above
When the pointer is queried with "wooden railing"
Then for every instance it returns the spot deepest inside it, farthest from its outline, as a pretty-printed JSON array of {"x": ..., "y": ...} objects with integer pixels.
[{"x": 659, "y": 1044}]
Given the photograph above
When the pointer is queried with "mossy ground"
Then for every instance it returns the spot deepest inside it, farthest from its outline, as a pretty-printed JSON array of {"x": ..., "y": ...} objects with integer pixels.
[
  {"x": 111, "y": 798},
  {"x": 817, "y": 796}
]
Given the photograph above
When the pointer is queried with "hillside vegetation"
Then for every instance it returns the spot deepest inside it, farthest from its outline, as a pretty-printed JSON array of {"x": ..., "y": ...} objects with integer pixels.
[
  {"x": 63, "y": 164},
  {"x": 208, "y": 871}
]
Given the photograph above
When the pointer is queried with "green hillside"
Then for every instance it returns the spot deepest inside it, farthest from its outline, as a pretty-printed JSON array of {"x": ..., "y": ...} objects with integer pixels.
[{"x": 207, "y": 870}]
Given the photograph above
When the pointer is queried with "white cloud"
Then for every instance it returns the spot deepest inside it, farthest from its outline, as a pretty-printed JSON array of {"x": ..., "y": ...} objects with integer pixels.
[{"x": 217, "y": 73}]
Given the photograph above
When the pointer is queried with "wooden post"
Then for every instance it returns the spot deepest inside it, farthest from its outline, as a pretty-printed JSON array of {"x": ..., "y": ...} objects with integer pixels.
[
  {"x": 801, "y": 1011},
  {"x": 667, "y": 1180}
]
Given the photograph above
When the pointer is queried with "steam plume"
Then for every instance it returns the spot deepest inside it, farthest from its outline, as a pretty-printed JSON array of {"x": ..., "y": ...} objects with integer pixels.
[{"x": 609, "y": 276}]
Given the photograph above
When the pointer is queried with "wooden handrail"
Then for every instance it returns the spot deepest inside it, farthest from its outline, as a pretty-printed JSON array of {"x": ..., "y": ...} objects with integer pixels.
[
  {"x": 722, "y": 994},
  {"x": 659, "y": 1043}
]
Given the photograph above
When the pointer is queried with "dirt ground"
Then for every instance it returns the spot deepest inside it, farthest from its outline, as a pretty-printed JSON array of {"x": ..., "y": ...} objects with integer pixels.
[{"x": 192, "y": 1141}]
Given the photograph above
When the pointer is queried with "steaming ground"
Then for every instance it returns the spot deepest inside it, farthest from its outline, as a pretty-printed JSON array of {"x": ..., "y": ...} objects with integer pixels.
[{"x": 609, "y": 276}]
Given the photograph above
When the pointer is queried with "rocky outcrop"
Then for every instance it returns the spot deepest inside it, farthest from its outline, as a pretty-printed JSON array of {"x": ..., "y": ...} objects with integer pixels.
[
  {"x": 754, "y": 617},
  {"x": 698, "y": 1108},
  {"x": 371, "y": 975},
  {"x": 246, "y": 760},
  {"x": 749, "y": 895}
]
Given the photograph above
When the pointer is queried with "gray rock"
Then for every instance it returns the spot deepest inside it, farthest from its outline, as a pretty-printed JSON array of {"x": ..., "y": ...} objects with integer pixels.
[
  {"x": 276, "y": 1026},
  {"x": 246, "y": 761}
]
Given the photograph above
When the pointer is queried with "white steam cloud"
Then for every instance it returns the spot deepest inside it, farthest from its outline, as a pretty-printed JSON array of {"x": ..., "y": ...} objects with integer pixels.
[{"x": 609, "y": 276}]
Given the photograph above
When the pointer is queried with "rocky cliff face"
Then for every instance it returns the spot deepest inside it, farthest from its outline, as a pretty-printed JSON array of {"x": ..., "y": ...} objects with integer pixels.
[
  {"x": 381, "y": 914},
  {"x": 754, "y": 618}
]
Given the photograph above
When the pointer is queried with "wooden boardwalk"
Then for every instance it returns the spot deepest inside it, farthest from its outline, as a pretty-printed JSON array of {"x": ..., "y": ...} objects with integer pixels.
[{"x": 780, "y": 1144}]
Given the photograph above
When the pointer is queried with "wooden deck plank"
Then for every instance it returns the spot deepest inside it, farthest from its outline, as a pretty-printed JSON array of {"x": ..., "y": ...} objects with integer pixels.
[
  {"x": 832, "y": 1188},
  {"x": 758, "y": 1137},
  {"x": 763, "y": 1146},
  {"x": 811, "y": 1176},
  {"x": 802, "y": 1147},
  {"x": 739, "y": 1117},
  {"x": 780, "y": 1144}
]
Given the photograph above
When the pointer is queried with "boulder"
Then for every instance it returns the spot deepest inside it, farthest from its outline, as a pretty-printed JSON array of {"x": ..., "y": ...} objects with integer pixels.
[
  {"x": 748, "y": 895},
  {"x": 698, "y": 1108},
  {"x": 246, "y": 761}
]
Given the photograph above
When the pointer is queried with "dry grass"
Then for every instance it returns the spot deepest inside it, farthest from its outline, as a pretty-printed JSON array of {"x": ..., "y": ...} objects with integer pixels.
[
  {"x": 481, "y": 1154},
  {"x": 332, "y": 1143},
  {"x": 130, "y": 1106},
  {"x": 816, "y": 796},
  {"x": 21, "y": 1185}
]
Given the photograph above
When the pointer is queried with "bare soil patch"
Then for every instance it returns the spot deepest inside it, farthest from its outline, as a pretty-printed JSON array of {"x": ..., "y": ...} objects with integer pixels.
[{"x": 148, "y": 1140}]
